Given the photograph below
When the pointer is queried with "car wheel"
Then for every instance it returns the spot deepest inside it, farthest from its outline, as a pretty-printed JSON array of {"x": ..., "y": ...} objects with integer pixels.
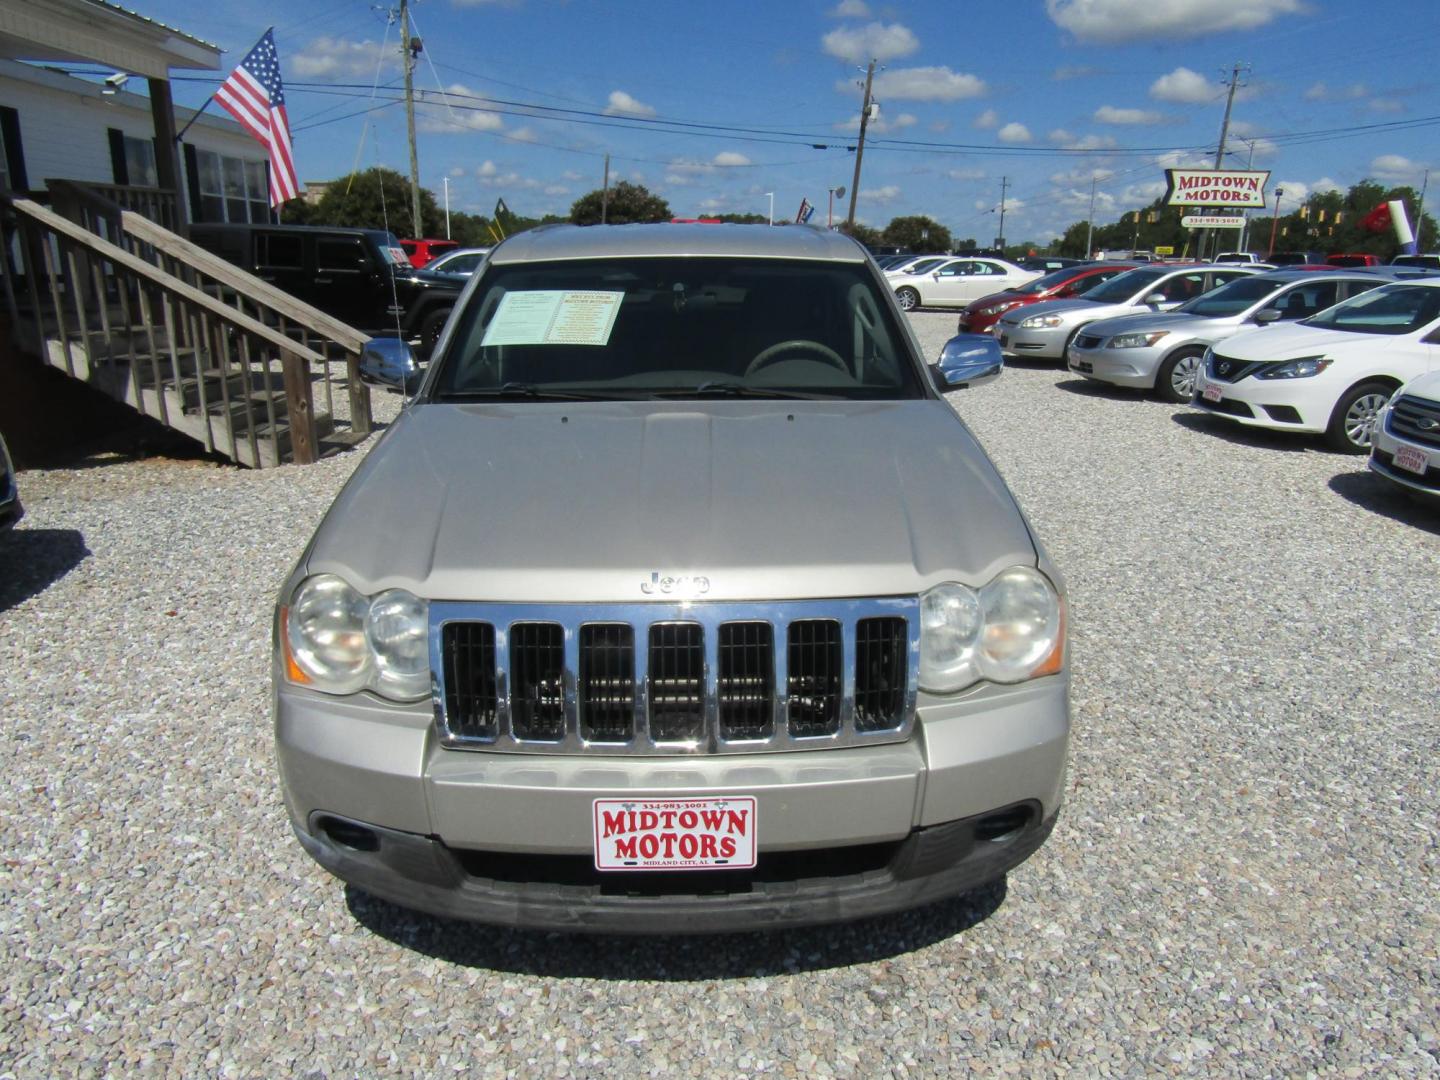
[
  {"x": 1175, "y": 381},
  {"x": 430, "y": 330},
  {"x": 908, "y": 297},
  {"x": 1352, "y": 424}
]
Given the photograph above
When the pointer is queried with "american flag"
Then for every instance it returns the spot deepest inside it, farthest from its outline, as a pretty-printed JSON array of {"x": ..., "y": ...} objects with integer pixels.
[{"x": 254, "y": 95}]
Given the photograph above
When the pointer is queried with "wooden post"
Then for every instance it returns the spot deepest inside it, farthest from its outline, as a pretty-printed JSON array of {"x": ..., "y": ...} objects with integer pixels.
[
  {"x": 167, "y": 156},
  {"x": 299, "y": 411}
]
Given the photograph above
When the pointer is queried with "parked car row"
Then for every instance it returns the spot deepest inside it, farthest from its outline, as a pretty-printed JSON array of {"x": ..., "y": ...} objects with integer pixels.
[{"x": 1350, "y": 355}]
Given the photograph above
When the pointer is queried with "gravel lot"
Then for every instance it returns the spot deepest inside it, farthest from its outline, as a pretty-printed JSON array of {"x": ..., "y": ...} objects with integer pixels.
[{"x": 1243, "y": 882}]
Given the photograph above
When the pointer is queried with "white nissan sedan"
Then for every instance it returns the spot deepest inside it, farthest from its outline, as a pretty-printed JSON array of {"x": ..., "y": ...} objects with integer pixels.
[{"x": 1331, "y": 373}]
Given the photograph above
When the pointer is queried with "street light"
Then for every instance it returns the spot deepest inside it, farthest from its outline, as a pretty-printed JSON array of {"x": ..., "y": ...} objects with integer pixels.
[
  {"x": 1275, "y": 221},
  {"x": 830, "y": 213}
]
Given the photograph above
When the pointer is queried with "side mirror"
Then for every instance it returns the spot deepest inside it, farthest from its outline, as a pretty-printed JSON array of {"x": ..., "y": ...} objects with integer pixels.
[
  {"x": 1269, "y": 315},
  {"x": 967, "y": 360},
  {"x": 1156, "y": 298},
  {"x": 389, "y": 362}
]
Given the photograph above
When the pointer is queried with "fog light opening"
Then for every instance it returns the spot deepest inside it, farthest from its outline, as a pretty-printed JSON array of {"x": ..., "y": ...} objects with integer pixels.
[
  {"x": 1002, "y": 827},
  {"x": 349, "y": 835}
]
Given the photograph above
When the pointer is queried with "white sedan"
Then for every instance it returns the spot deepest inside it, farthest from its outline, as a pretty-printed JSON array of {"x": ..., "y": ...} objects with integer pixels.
[
  {"x": 1331, "y": 373},
  {"x": 956, "y": 282}
]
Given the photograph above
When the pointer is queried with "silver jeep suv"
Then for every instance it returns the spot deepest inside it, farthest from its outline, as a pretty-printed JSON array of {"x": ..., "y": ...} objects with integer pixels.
[{"x": 677, "y": 600}]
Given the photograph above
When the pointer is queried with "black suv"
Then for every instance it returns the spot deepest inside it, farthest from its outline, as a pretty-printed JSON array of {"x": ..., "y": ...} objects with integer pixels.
[{"x": 360, "y": 276}]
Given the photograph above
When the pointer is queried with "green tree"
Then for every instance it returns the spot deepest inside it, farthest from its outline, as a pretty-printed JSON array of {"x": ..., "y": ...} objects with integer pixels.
[
  {"x": 741, "y": 219},
  {"x": 863, "y": 233},
  {"x": 377, "y": 199},
  {"x": 628, "y": 203},
  {"x": 919, "y": 233}
]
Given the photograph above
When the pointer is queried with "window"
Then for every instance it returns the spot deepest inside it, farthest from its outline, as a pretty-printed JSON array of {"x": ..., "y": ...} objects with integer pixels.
[
  {"x": 280, "y": 251},
  {"x": 140, "y": 162},
  {"x": 1393, "y": 309},
  {"x": 341, "y": 254},
  {"x": 231, "y": 189}
]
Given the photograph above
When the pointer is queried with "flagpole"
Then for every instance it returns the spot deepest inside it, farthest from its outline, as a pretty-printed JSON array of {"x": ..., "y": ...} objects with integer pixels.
[{"x": 194, "y": 118}]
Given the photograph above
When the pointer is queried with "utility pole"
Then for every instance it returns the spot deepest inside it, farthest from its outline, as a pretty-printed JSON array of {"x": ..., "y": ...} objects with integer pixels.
[
  {"x": 1420, "y": 213},
  {"x": 1004, "y": 184},
  {"x": 605, "y": 193},
  {"x": 408, "y": 50},
  {"x": 1224, "y": 134},
  {"x": 1090, "y": 220},
  {"x": 860, "y": 146}
]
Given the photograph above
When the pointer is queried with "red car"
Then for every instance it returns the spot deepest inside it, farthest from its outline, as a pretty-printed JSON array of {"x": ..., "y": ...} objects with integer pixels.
[
  {"x": 981, "y": 315},
  {"x": 422, "y": 251},
  {"x": 1353, "y": 260}
]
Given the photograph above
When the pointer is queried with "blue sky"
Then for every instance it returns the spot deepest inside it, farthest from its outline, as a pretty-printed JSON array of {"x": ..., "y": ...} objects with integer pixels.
[{"x": 1046, "y": 94}]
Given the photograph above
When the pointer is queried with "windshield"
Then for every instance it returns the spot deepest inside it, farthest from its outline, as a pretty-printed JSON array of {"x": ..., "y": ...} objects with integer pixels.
[
  {"x": 644, "y": 328},
  {"x": 1126, "y": 285},
  {"x": 1052, "y": 280},
  {"x": 1231, "y": 299},
  {"x": 923, "y": 265},
  {"x": 1393, "y": 309}
]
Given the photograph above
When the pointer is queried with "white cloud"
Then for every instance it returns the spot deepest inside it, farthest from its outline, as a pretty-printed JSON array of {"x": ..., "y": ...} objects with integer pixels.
[
  {"x": 1184, "y": 87},
  {"x": 1060, "y": 137},
  {"x": 572, "y": 175},
  {"x": 523, "y": 134},
  {"x": 1112, "y": 21},
  {"x": 1395, "y": 169},
  {"x": 1296, "y": 192},
  {"x": 1318, "y": 92},
  {"x": 486, "y": 169},
  {"x": 1075, "y": 71},
  {"x": 905, "y": 120},
  {"x": 1322, "y": 91},
  {"x": 457, "y": 171},
  {"x": 1183, "y": 159},
  {"x": 987, "y": 119},
  {"x": 888, "y": 193},
  {"x": 556, "y": 189},
  {"x": 877, "y": 41},
  {"x": 1070, "y": 141},
  {"x": 1013, "y": 132},
  {"x": 850, "y": 9},
  {"x": 924, "y": 84},
  {"x": 966, "y": 174},
  {"x": 1108, "y": 114},
  {"x": 436, "y": 114},
  {"x": 730, "y": 159},
  {"x": 337, "y": 58},
  {"x": 879, "y": 123},
  {"x": 939, "y": 126},
  {"x": 622, "y": 104},
  {"x": 1080, "y": 176},
  {"x": 1385, "y": 105},
  {"x": 1325, "y": 184}
]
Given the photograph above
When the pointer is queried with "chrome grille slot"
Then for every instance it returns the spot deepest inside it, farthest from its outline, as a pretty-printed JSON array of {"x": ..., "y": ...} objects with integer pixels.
[
  {"x": 472, "y": 700},
  {"x": 677, "y": 682},
  {"x": 607, "y": 682},
  {"x": 537, "y": 681},
  {"x": 815, "y": 673},
  {"x": 746, "y": 681},
  {"x": 668, "y": 678},
  {"x": 1409, "y": 413},
  {"x": 879, "y": 673}
]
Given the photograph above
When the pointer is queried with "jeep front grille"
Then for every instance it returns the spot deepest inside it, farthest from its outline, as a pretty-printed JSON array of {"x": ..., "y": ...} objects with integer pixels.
[{"x": 668, "y": 678}]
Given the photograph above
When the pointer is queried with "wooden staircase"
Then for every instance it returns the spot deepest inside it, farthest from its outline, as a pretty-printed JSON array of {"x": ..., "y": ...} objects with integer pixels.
[{"x": 142, "y": 315}]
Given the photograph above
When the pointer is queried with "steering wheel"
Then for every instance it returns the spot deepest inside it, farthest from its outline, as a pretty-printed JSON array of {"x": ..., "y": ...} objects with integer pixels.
[{"x": 768, "y": 356}]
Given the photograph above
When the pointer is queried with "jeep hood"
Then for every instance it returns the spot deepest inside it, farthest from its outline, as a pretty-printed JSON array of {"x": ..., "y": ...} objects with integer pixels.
[{"x": 585, "y": 501}]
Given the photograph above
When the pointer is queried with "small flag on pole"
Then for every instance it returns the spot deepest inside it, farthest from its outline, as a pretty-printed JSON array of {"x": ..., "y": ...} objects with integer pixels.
[
  {"x": 255, "y": 96},
  {"x": 501, "y": 213},
  {"x": 803, "y": 214}
]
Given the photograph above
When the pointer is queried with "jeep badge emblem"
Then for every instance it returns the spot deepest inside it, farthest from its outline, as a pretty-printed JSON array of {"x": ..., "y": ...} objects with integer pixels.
[{"x": 685, "y": 585}]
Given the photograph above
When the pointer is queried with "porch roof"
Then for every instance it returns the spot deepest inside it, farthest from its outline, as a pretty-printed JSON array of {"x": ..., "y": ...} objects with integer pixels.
[{"x": 100, "y": 32}]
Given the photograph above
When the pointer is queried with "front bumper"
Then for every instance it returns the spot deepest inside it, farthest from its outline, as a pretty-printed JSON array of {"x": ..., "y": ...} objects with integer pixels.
[
  {"x": 1045, "y": 343},
  {"x": 861, "y": 815},
  {"x": 1281, "y": 404},
  {"x": 1121, "y": 367},
  {"x": 1382, "y": 462}
]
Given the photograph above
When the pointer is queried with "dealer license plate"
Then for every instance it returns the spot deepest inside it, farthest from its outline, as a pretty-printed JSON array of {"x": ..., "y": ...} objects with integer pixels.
[
  {"x": 1412, "y": 460},
  {"x": 675, "y": 834},
  {"x": 1212, "y": 392}
]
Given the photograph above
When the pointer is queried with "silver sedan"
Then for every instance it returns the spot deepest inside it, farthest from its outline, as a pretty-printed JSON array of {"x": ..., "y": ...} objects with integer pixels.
[{"x": 1164, "y": 351}]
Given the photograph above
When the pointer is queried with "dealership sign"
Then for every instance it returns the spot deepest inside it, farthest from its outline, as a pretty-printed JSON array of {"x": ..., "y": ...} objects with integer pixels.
[
  {"x": 1211, "y": 221},
  {"x": 1215, "y": 187}
]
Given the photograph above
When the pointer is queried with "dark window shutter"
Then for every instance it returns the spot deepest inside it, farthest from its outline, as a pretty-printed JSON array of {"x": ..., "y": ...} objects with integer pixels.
[
  {"x": 14, "y": 153},
  {"x": 118, "y": 169},
  {"x": 192, "y": 183}
]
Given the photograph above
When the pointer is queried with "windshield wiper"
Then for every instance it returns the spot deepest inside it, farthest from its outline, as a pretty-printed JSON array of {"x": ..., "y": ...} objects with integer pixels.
[
  {"x": 518, "y": 391},
  {"x": 721, "y": 388}
]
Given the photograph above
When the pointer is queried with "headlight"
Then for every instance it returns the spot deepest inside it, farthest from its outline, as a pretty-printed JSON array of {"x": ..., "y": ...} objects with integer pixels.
[
  {"x": 1008, "y": 631},
  {"x": 338, "y": 641},
  {"x": 1302, "y": 367},
  {"x": 1035, "y": 322},
  {"x": 995, "y": 309},
  {"x": 1137, "y": 341}
]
